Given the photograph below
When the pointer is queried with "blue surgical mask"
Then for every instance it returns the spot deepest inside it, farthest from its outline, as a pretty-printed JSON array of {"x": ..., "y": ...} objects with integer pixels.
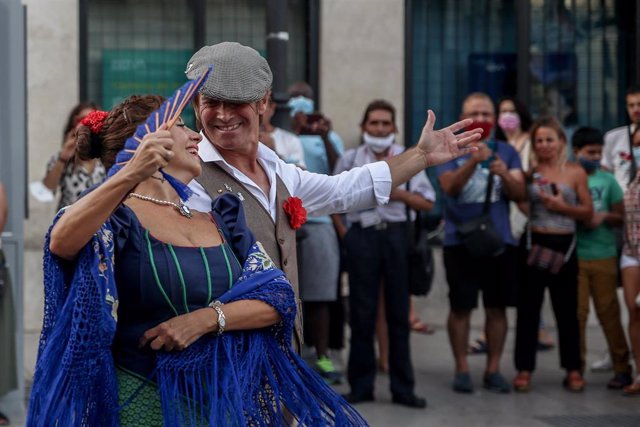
[
  {"x": 300, "y": 104},
  {"x": 589, "y": 165},
  {"x": 636, "y": 155}
]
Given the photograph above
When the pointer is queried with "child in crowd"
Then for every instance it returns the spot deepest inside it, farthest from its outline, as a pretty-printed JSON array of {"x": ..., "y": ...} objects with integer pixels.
[{"x": 597, "y": 257}]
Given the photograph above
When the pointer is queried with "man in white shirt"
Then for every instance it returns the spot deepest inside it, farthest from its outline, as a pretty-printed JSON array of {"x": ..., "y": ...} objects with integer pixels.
[
  {"x": 230, "y": 115},
  {"x": 617, "y": 155},
  {"x": 377, "y": 245},
  {"x": 230, "y": 106}
]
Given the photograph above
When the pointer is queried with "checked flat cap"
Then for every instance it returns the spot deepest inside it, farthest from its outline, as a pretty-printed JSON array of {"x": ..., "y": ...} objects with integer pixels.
[{"x": 239, "y": 75}]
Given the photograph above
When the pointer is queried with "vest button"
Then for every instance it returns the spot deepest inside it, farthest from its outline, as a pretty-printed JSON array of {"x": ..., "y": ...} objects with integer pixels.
[
  {"x": 281, "y": 241},
  {"x": 285, "y": 262}
]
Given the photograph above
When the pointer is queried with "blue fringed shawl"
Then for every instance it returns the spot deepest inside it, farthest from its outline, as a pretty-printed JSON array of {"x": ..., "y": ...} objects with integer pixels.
[{"x": 241, "y": 378}]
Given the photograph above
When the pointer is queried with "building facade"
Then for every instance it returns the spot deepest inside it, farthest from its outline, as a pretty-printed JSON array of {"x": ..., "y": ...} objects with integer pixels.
[{"x": 571, "y": 58}]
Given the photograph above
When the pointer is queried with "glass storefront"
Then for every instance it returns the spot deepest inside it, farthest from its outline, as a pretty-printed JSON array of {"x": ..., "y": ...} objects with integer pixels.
[
  {"x": 579, "y": 58},
  {"x": 142, "y": 46}
]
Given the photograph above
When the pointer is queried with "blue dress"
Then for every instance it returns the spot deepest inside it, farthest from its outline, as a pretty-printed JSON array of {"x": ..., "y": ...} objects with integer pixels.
[{"x": 148, "y": 298}]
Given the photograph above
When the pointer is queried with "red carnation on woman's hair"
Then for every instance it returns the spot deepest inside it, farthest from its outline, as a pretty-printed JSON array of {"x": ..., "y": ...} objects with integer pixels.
[
  {"x": 94, "y": 120},
  {"x": 295, "y": 211}
]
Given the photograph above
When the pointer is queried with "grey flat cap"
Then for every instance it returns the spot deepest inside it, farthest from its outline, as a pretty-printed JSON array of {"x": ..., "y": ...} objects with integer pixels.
[{"x": 239, "y": 73}]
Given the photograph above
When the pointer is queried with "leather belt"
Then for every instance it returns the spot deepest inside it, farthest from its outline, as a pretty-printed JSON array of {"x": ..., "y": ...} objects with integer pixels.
[{"x": 381, "y": 226}]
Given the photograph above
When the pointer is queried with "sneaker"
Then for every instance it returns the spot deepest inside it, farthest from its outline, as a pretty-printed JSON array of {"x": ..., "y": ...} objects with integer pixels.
[
  {"x": 478, "y": 346},
  {"x": 328, "y": 371},
  {"x": 619, "y": 381},
  {"x": 462, "y": 383},
  {"x": 496, "y": 383},
  {"x": 602, "y": 365}
]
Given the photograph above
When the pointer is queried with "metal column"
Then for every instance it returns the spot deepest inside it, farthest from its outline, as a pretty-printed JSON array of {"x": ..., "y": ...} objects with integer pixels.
[
  {"x": 13, "y": 166},
  {"x": 523, "y": 19},
  {"x": 277, "y": 41}
]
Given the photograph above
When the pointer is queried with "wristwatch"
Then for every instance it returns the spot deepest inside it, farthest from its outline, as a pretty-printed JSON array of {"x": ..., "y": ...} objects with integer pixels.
[{"x": 222, "y": 321}]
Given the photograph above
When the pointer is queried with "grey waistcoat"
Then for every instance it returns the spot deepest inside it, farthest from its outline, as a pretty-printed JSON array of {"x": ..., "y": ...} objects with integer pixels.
[{"x": 278, "y": 239}]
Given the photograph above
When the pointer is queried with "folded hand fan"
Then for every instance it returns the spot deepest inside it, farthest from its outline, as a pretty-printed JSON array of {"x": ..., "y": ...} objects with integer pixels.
[{"x": 168, "y": 113}]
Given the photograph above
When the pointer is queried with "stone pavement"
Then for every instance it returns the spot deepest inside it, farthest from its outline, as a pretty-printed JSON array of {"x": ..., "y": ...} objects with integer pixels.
[{"x": 548, "y": 404}]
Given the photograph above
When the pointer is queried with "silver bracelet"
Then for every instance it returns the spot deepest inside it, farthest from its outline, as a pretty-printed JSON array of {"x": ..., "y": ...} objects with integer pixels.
[{"x": 222, "y": 321}]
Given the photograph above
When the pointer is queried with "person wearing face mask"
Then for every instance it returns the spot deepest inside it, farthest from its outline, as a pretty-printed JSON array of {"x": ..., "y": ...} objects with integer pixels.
[
  {"x": 468, "y": 197},
  {"x": 376, "y": 242},
  {"x": 317, "y": 239},
  {"x": 597, "y": 257},
  {"x": 630, "y": 263},
  {"x": 514, "y": 121}
]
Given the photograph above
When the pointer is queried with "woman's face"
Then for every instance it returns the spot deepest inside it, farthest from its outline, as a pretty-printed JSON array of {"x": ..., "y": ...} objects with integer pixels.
[
  {"x": 507, "y": 106},
  {"x": 185, "y": 164},
  {"x": 547, "y": 144}
]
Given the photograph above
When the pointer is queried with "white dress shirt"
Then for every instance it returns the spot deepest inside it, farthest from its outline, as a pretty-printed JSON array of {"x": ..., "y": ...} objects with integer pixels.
[
  {"x": 359, "y": 188},
  {"x": 394, "y": 211},
  {"x": 616, "y": 155}
]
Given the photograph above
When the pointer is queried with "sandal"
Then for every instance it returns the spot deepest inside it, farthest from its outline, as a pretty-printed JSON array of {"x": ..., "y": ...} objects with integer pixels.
[
  {"x": 522, "y": 381},
  {"x": 574, "y": 382},
  {"x": 632, "y": 389},
  {"x": 419, "y": 326},
  {"x": 4, "y": 420}
]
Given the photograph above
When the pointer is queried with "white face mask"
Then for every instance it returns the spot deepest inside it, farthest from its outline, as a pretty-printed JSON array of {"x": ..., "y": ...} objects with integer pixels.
[{"x": 378, "y": 144}]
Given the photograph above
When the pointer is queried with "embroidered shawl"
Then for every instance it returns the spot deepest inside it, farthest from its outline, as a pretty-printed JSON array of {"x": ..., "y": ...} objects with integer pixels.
[{"x": 240, "y": 378}]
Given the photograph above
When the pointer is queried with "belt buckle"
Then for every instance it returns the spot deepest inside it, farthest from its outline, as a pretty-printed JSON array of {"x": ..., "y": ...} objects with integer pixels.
[{"x": 380, "y": 226}]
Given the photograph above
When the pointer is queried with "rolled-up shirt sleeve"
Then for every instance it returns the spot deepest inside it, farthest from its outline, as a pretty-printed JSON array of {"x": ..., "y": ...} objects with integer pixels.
[{"x": 359, "y": 188}]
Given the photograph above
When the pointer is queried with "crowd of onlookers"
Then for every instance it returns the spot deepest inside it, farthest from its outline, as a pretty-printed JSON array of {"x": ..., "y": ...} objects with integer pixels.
[{"x": 532, "y": 209}]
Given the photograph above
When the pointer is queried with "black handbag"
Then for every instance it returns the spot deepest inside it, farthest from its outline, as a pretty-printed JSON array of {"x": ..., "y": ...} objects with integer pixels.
[
  {"x": 421, "y": 266},
  {"x": 479, "y": 235}
]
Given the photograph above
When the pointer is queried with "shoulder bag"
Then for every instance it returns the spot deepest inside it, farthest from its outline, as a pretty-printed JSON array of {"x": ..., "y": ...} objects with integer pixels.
[
  {"x": 421, "y": 266},
  {"x": 479, "y": 235}
]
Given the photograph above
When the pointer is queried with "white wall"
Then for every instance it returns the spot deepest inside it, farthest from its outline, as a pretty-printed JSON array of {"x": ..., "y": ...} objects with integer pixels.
[
  {"x": 361, "y": 59},
  {"x": 52, "y": 83}
]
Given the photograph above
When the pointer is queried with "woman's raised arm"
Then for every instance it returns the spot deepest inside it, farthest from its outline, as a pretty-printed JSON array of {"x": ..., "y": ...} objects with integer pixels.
[{"x": 82, "y": 219}]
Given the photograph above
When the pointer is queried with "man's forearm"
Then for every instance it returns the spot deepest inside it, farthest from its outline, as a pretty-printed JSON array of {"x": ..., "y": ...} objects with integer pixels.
[{"x": 406, "y": 165}]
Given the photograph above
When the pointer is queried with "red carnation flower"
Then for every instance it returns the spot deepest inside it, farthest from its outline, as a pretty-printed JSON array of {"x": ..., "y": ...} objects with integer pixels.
[
  {"x": 295, "y": 211},
  {"x": 94, "y": 120}
]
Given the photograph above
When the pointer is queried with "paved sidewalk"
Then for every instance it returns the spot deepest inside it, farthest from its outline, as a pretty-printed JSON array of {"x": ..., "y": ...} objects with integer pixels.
[{"x": 548, "y": 404}]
